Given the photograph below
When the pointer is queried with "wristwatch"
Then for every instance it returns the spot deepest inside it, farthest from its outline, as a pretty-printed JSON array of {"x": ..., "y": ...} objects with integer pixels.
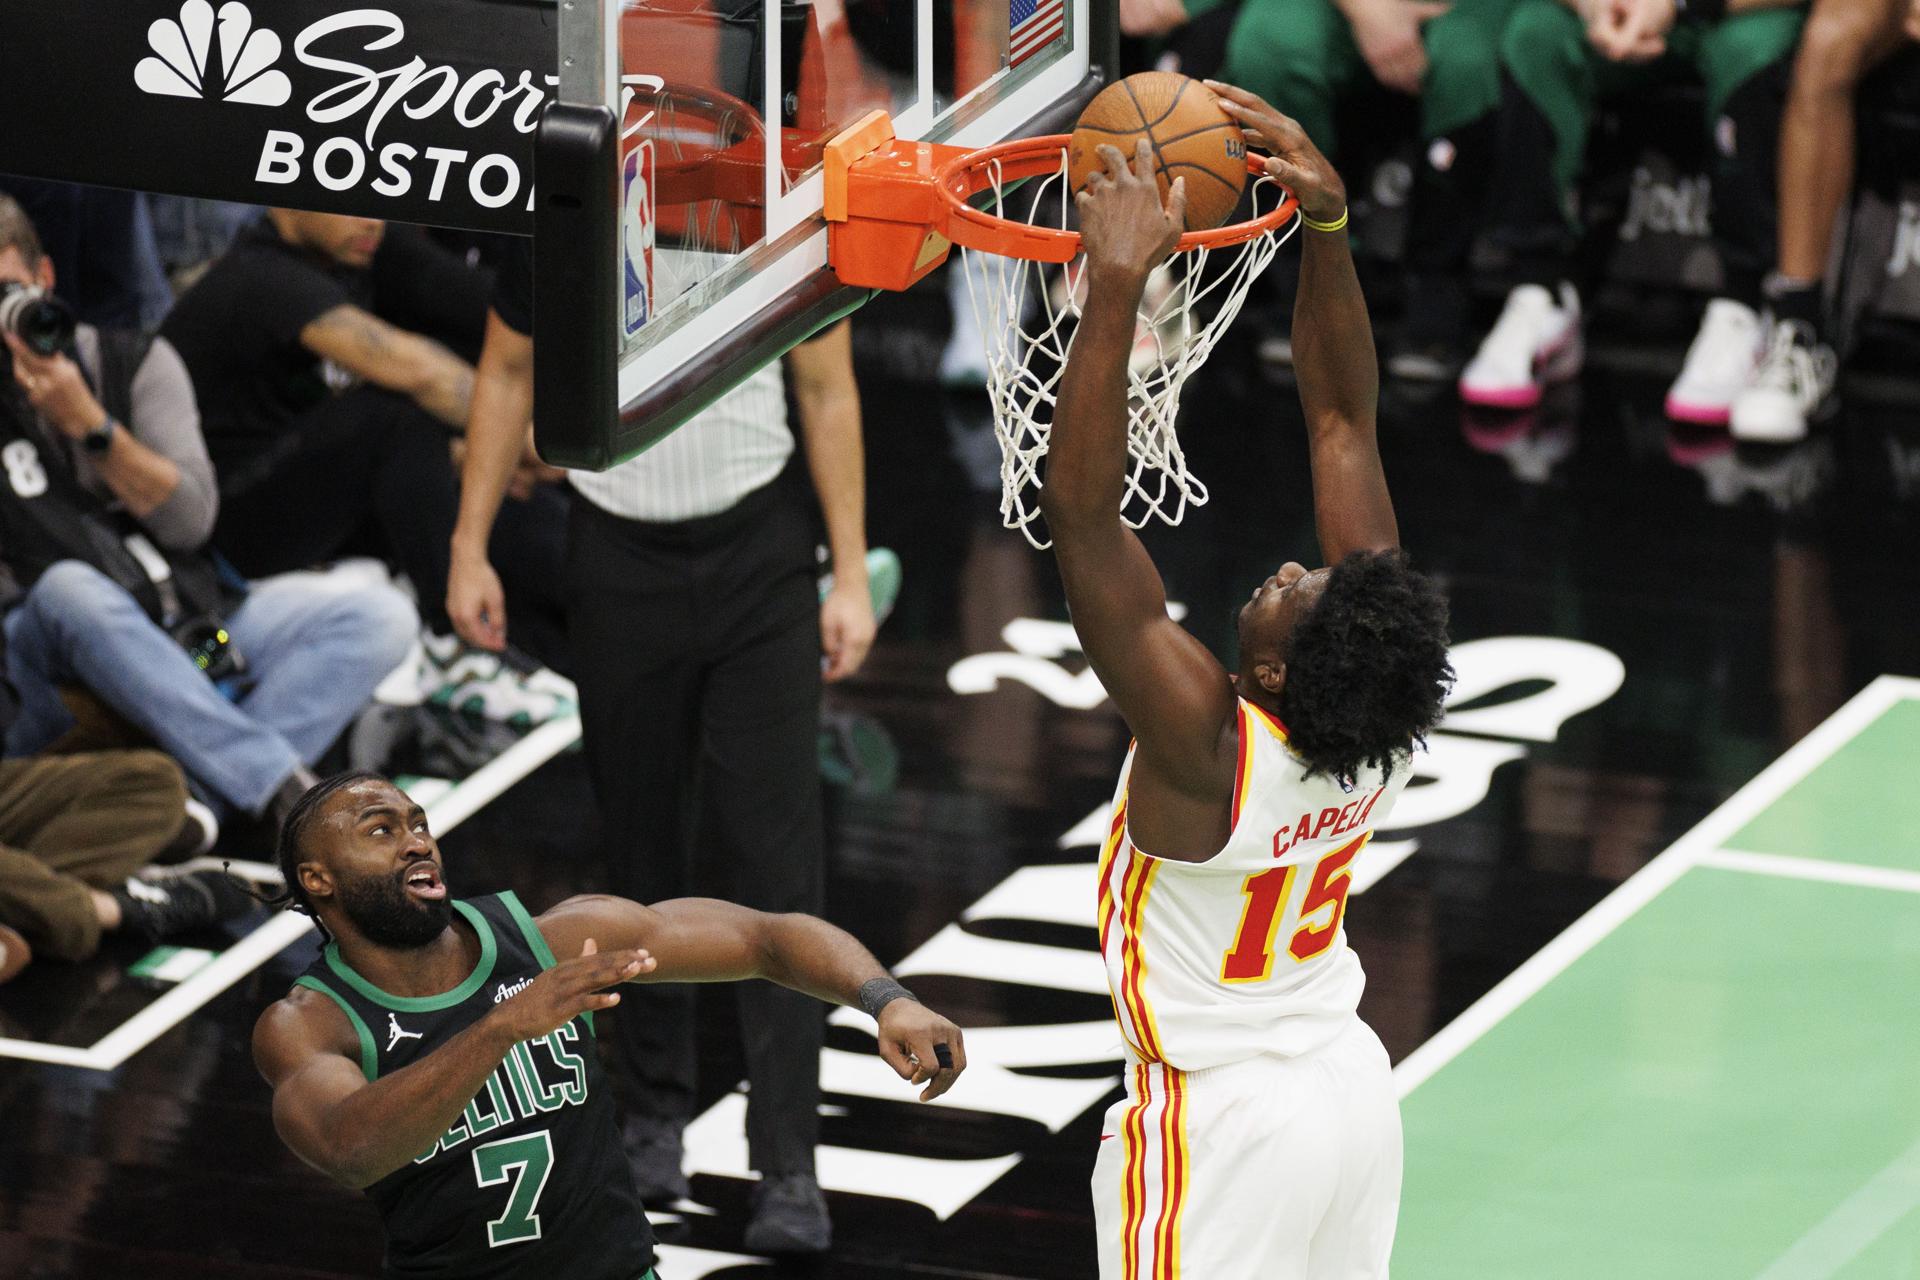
[{"x": 100, "y": 439}]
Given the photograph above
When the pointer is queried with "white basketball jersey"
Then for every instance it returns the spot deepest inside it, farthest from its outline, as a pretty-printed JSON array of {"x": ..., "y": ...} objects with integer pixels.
[{"x": 1245, "y": 953}]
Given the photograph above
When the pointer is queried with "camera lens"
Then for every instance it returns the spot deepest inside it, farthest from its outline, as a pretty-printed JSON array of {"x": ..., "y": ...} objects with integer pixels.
[{"x": 36, "y": 317}]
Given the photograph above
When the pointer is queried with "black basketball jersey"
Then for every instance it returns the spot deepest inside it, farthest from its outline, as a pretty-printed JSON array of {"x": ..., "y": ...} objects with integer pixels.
[{"x": 531, "y": 1180}]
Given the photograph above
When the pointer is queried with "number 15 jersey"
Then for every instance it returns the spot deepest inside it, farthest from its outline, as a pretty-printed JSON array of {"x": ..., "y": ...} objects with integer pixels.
[{"x": 1243, "y": 954}]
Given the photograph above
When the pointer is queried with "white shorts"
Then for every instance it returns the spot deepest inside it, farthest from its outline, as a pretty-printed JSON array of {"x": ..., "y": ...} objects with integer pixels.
[{"x": 1276, "y": 1168}]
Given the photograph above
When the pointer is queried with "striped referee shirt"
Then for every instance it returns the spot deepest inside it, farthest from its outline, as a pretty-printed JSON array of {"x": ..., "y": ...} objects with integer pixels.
[{"x": 739, "y": 444}]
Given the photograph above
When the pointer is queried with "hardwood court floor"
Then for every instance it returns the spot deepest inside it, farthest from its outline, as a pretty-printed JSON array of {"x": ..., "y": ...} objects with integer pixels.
[{"x": 1644, "y": 620}]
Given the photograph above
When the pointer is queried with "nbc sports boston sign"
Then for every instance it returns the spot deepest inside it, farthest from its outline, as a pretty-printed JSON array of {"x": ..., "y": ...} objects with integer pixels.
[{"x": 418, "y": 110}]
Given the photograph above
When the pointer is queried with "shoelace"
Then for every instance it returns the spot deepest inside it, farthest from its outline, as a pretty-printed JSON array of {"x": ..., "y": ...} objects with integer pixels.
[{"x": 1795, "y": 366}]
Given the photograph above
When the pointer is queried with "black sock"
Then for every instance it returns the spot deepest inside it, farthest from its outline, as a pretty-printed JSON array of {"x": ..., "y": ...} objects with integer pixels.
[{"x": 1797, "y": 300}]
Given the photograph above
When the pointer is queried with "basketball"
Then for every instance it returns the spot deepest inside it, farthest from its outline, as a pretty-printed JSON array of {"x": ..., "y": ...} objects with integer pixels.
[{"x": 1192, "y": 138}]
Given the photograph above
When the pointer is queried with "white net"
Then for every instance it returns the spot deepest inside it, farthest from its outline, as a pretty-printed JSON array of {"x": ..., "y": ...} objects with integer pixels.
[{"x": 1028, "y": 313}]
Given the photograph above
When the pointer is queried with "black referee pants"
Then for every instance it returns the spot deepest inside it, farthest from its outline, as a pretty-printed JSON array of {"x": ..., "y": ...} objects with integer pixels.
[{"x": 696, "y": 648}]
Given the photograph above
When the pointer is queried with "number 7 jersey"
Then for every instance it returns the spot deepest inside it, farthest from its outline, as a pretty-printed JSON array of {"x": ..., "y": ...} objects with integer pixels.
[
  {"x": 530, "y": 1181},
  {"x": 1243, "y": 954}
]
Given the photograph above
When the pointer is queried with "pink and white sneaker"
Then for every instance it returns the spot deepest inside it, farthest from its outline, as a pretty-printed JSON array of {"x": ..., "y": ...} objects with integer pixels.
[
  {"x": 1535, "y": 341},
  {"x": 1720, "y": 364}
]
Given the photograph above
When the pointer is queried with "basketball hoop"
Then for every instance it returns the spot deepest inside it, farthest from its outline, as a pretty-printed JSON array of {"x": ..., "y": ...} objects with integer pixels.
[{"x": 1027, "y": 311}]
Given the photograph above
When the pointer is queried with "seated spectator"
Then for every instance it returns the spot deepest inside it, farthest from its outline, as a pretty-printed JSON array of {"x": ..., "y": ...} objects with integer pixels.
[
  {"x": 1844, "y": 40},
  {"x": 1304, "y": 55},
  {"x": 319, "y": 346},
  {"x": 74, "y": 833},
  {"x": 1559, "y": 65},
  {"x": 102, "y": 518},
  {"x": 191, "y": 233}
]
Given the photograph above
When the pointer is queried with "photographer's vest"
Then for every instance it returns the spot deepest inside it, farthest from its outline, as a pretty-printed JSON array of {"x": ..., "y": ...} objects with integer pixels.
[{"x": 47, "y": 515}]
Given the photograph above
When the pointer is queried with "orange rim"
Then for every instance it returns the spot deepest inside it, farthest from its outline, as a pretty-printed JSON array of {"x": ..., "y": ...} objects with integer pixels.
[{"x": 1024, "y": 158}]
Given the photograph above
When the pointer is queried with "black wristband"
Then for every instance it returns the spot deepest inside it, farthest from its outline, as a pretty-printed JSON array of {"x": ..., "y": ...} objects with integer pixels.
[
  {"x": 881, "y": 992},
  {"x": 100, "y": 439},
  {"x": 1700, "y": 12}
]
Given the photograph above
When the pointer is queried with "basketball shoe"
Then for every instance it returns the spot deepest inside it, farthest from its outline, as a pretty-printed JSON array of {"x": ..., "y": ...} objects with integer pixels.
[
  {"x": 1535, "y": 341},
  {"x": 508, "y": 687},
  {"x": 1719, "y": 364},
  {"x": 1794, "y": 385},
  {"x": 789, "y": 1216},
  {"x": 160, "y": 906}
]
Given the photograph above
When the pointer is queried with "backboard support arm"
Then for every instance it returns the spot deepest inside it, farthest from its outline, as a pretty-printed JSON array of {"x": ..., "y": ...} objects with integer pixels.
[{"x": 576, "y": 247}]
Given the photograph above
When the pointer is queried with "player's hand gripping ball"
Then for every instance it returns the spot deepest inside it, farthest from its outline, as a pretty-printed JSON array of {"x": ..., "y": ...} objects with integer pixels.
[{"x": 1191, "y": 138}]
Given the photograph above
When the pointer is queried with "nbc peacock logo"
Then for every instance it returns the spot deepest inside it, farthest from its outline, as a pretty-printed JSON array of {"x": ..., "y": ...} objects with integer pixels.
[{"x": 182, "y": 64}]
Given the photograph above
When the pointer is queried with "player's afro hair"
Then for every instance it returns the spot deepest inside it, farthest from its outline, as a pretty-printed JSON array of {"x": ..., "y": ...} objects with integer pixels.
[{"x": 1367, "y": 669}]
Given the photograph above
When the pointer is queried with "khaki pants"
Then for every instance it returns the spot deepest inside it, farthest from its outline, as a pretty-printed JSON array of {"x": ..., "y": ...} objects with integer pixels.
[{"x": 69, "y": 824}]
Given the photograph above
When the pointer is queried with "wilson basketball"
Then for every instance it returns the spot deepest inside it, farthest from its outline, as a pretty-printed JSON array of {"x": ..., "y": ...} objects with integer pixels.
[{"x": 1192, "y": 138}]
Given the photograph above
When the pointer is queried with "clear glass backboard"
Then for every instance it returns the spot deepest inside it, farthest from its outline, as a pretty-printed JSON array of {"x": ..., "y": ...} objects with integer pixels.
[{"x": 724, "y": 107}]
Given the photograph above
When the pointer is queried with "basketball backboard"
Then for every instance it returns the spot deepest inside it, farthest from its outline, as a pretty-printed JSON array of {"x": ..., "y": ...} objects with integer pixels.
[{"x": 714, "y": 173}]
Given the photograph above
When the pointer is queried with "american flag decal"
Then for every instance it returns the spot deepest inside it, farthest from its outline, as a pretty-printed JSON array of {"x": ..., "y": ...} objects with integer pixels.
[{"x": 1034, "y": 25}]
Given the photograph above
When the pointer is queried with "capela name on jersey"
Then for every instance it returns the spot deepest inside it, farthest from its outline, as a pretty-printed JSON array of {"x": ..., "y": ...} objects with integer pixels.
[{"x": 1331, "y": 822}]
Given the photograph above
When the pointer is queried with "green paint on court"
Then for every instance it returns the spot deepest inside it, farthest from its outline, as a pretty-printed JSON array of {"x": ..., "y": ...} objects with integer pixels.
[
  {"x": 1862, "y": 805},
  {"x": 1727, "y": 1085}
]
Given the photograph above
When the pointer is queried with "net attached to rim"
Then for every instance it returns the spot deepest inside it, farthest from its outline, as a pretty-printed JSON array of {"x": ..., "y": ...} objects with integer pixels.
[{"x": 1027, "y": 293}]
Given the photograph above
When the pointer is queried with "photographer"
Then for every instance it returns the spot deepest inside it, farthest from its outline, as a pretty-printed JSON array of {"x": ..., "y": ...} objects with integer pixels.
[
  {"x": 102, "y": 514},
  {"x": 327, "y": 353}
]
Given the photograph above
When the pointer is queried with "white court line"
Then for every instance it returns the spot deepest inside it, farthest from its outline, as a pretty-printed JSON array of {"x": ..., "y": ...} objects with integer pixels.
[
  {"x": 487, "y": 783},
  {"x": 180, "y": 1003},
  {"x": 479, "y": 789},
  {"x": 1855, "y": 1223},
  {"x": 63, "y": 1055},
  {"x": 1779, "y": 864},
  {"x": 1639, "y": 889}
]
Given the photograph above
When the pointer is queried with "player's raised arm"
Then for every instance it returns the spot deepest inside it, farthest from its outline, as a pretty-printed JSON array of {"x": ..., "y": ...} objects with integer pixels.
[
  {"x": 1176, "y": 698},
  {"x": 705, "y": 940},
  {"x": 358, "y": 1132},
  {"x": 1333, "y": 353}
]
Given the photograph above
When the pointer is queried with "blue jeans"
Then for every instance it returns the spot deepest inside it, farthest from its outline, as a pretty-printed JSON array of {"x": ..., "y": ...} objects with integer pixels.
[{"x": 316, "y": 647}]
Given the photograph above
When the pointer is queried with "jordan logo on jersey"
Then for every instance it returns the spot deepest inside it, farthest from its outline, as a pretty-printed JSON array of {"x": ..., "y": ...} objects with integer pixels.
[{"x": 395, "y": 1035}]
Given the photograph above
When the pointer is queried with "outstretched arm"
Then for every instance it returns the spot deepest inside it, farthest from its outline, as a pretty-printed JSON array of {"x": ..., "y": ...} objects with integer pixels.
[
  {"x": 705, "y": 940},
  {"x": 1176, "y": 698},
  {"x": 358, "y": 1132},
  {"x": 1333, "y": 355}
]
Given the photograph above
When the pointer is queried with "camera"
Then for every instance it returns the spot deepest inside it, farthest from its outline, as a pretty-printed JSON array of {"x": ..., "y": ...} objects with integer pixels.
[
  {"x": 208, "y": 644},
  {"x": 35, "y": 317}
]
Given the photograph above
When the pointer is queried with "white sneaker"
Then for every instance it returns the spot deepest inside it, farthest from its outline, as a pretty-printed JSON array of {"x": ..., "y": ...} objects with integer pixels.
[
  {"x": 1720, "y": 364},
  {"x": 1793, "y": 384},
  {"x": 1535, "y": 341},
  {"x": 478, "y": 683}
]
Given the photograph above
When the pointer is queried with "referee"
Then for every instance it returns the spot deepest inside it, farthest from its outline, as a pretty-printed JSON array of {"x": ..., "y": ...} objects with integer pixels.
[{"x": 698, "y": 637}]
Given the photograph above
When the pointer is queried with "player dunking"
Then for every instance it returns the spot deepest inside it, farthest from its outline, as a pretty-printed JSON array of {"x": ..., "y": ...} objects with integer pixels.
[
  {"x": 483, "y": 1131},
  {"x": 1259, "y": 1135}
]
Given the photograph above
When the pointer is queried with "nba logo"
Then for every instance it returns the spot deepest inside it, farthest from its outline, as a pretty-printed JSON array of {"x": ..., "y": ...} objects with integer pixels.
[{"x": 636, "y": 240}]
